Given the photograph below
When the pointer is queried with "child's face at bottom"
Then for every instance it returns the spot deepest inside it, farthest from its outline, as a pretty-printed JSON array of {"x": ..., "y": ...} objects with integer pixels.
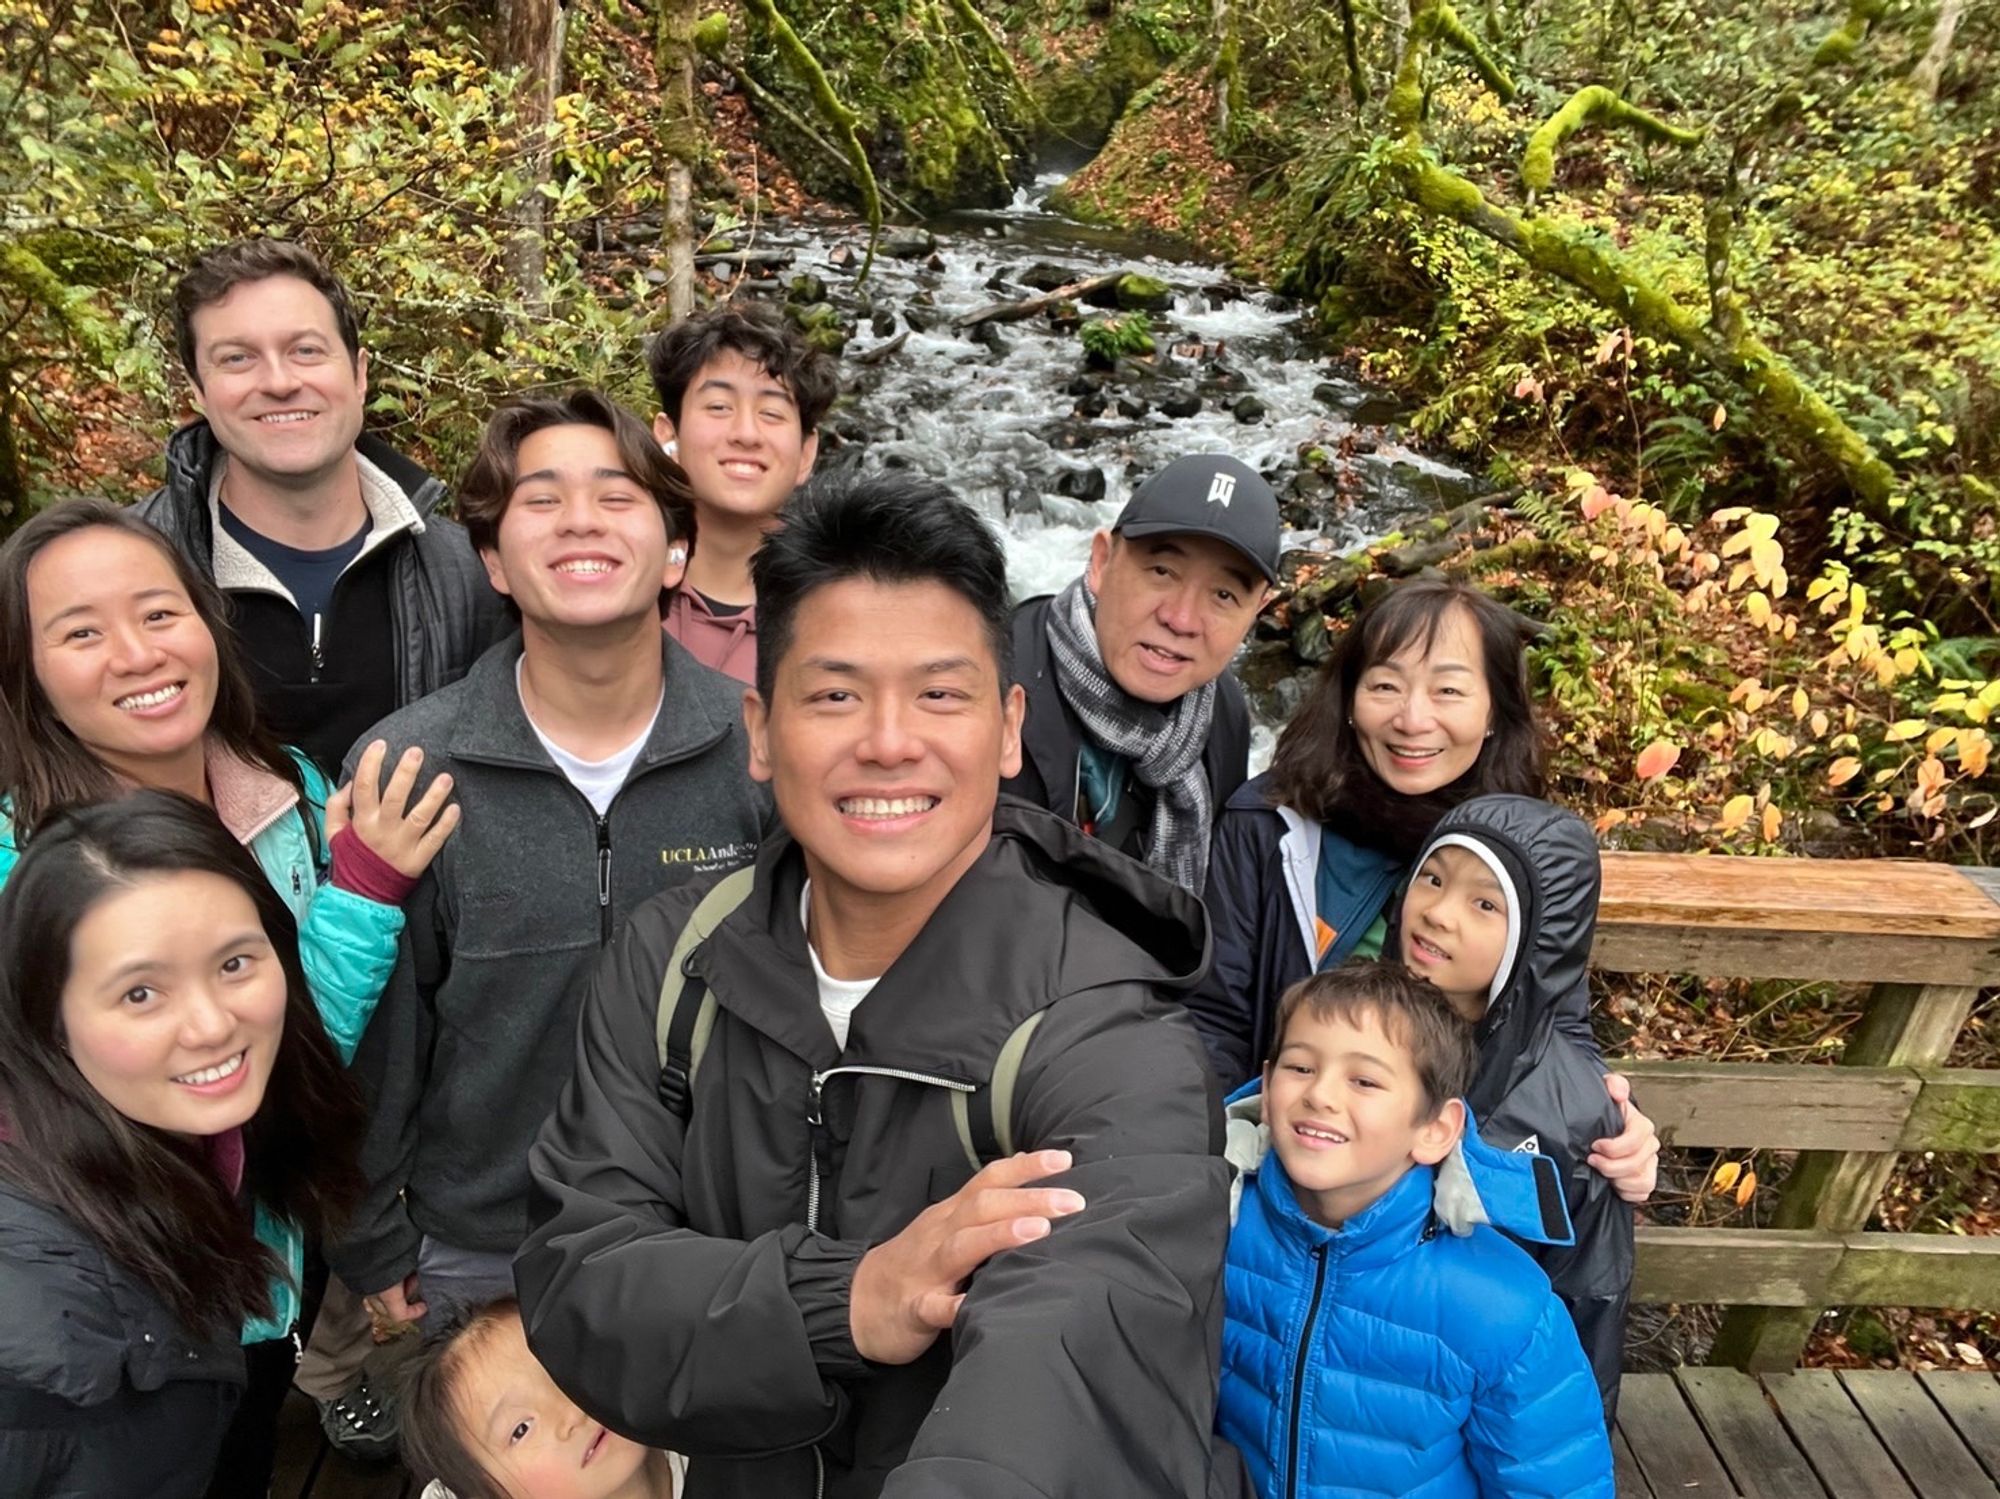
[
  {"x": 1454, "y": 928},
  {"x": 529, "y": 1435},
  {"x": 1348, "y": 1116}
]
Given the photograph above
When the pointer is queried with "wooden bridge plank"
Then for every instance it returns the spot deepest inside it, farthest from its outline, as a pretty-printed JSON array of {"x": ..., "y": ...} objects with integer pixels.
[
  {"x": 1837, "y": 1441},
  {"x": 1626, "y": 1478},
  {"x": 1917, "y": 1435},
  {"x": 1747, "y": 1434},
  {"x": 1972, "y": 1403},
  {"x": 1777, "y": 1106},
  {"x": 1666, "y": 1440},
  {"x": 1865, "y": 921},
  {"x": 1745, "y": 1266}
]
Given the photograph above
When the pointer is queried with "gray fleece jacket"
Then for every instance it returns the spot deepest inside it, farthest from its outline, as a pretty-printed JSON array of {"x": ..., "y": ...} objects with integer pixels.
[{"x": 476, "y": 1030}]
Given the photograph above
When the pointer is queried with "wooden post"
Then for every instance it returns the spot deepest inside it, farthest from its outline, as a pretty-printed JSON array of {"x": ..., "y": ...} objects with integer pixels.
[{"x": 1905, "y": 1025}]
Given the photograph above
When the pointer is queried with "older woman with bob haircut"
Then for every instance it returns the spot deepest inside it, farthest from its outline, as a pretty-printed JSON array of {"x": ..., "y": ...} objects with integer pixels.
[
  {"x": 167, "y": 1095},
  {"x": 1423, "y": 704}
]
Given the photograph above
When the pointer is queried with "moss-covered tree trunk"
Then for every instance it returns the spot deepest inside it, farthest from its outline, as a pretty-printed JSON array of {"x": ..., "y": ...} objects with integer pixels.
[
  {"x": 1790, "y": 408},
  {"x": 680, "y": 130},
  {"x": 529, "y": 43}
]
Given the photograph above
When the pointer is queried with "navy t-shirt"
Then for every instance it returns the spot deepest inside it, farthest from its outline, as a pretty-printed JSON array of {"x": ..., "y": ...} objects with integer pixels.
[{"x": 308, "y": 576}]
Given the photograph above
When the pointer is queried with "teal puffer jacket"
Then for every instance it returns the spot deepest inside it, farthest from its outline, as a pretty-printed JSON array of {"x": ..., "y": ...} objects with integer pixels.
[{"x": 347, "y": 944}]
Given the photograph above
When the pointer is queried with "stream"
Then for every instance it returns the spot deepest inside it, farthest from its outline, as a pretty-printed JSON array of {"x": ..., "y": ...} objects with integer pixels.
[{"x": 1008, "y": 416}]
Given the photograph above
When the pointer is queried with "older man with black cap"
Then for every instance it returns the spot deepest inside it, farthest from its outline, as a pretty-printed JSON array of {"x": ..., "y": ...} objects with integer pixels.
[{"x": 1136, "y": 732}]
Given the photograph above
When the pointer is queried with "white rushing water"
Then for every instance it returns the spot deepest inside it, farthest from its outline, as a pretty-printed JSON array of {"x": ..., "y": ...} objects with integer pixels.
[{"x": 994, "y": 423}]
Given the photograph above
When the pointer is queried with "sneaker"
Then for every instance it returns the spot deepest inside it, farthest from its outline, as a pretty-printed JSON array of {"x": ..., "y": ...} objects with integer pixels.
[{"x": 360, "y": 1424}]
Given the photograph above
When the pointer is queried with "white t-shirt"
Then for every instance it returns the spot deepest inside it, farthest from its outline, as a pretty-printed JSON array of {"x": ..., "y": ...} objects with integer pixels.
[
  {"x": 838, "y": 998},
  {"x": 598, "y": 780}
]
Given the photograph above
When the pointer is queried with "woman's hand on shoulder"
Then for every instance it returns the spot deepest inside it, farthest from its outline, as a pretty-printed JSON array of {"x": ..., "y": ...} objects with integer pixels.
[
  {"x": 404, "y": 836},
  {"x": 1629, "y": 1160}
]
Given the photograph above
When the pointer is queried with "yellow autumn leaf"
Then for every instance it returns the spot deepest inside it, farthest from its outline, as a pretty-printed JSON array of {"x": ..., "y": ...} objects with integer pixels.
[
  {"x": 1974, "y": 750},
  {"x": 1939, "y": 739},
  {"x": 1746, "y": 1189},
  {"x": 1801, "y": 704},
  {"x": 1735, "y": 812},
  {"x": 1715, "y": 422},
  {"x": 1843, "y": 770},
  {"x": 1774, "y": 822},
  {"x": 1906, "y": 728},
  {"x": 1725, "y": 1176},
  {"x": 1758, "y": 608},
  {"x": 1820, "y": 723}
]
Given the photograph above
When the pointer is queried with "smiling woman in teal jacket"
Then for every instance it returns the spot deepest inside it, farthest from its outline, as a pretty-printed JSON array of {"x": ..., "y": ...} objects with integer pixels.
[{"x": 118, "y": 670}]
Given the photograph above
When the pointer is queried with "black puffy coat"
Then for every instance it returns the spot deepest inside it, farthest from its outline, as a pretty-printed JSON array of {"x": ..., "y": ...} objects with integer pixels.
[
  {"x": 673, "y": 1286},
  {"x": 103, "y": 1394},
  {"x": 1538, "y": 1087}
]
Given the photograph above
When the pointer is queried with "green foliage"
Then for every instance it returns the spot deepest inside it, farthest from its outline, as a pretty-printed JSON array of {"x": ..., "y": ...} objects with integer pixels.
[
  {"x": 1108, "y": 339},
  {"x": 381, "y": 138}
]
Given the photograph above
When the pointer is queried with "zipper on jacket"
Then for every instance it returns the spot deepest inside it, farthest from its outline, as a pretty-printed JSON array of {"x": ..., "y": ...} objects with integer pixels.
[
  {"x": 1299, "y": 1374},
  {"x": 603, "y": 880},
  {"x": 822, "y": 1138},
  {"x": 819, "y": 1475},
  {"x": 318, "y": 656}
]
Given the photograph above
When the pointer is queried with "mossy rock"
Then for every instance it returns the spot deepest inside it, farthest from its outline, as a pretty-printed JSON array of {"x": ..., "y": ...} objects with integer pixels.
[
  {"x": 942, "y": 128},
  {"x": 1140, "y": 293},
  {"x": 1081, "y": 100}
]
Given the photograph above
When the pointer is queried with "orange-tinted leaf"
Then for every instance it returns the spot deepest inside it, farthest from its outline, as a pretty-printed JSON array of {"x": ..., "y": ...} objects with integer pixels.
[
  {"x": 1656, "y": 759},
  {"x": 1843, "y": 770},
  {"x": 1746, "y": 1189},
  {"x": 1721, "y": 416},
  {"x": 1606, "y": 821},
  {"x": 1773, "y": 821}
]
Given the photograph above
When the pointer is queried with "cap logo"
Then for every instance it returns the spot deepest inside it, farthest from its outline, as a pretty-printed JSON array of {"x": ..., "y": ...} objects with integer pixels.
[{"x": 1221, "y": 490}]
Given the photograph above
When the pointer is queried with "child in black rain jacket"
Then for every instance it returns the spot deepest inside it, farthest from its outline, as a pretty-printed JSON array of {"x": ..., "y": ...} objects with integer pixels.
[{"x": 1500, "y": 915}]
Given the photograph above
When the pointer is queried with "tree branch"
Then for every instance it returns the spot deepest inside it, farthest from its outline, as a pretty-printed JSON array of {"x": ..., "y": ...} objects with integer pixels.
[
  {"x": 1593, "y": 104},
  {"x": 834, "y": 110}
]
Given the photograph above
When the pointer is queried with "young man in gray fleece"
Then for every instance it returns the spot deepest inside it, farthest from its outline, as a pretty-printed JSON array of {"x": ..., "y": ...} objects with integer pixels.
[{"x": 600, "y": 764}]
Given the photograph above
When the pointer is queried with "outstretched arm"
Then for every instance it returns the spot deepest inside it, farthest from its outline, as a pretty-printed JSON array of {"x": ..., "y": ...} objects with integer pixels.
[{"x": 1085, "y": 1362}]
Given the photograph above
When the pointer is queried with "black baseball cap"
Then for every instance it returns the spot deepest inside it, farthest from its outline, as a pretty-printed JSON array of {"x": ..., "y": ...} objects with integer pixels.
[{"x": 1209, "y": 494}]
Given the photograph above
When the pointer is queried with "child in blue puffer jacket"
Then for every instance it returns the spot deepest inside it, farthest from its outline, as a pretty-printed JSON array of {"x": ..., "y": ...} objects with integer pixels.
[{"x": 1381, "y": 1337}]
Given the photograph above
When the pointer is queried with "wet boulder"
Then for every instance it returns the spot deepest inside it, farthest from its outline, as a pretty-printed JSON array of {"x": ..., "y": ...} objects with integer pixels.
[
  {"x": 909, "y": 244},
  {"x": 1140, "y": 293},
  {"x": 1249, "y": 410},
  {"x": 1180, "y": 405},
  {"x": 1045, "y": 276}
]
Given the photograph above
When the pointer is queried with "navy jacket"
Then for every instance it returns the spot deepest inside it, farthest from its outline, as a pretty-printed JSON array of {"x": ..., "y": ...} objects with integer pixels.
[
  {"x": 1540, "y": 1087},
  {"x": 1262, "y": 901},
  {"x": 1390, "y": 1356}
]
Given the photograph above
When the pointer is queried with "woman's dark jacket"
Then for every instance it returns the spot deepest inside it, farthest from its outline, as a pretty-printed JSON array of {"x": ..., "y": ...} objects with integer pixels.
[
  {"x": 103, "y": 1394},
  {"x": 1262, "y": 899},
  {"x": 676, "y": 1285},
  {"x": 1538, "y": 1086}
]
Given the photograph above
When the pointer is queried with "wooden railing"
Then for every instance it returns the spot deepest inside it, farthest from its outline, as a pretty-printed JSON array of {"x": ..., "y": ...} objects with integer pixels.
[{"x": 1927, "y": 938}]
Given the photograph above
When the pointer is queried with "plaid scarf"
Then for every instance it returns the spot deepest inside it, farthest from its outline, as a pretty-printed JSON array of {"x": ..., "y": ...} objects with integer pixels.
[{"x": 1164, "y": 744}]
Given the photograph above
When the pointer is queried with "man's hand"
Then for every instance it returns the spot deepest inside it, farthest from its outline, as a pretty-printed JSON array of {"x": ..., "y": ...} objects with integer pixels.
[
  {"x": 908, "y": 1289},
  {"x": 1630, "y": 1160},
  {"x": 394, "y": 1311},
  {"x": 404, "y": 837}
]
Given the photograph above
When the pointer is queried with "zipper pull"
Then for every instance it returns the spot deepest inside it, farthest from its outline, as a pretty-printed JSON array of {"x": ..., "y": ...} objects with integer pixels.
[
  {"x": 318, "y": 657},
  {"x": 603, "y": 863}
]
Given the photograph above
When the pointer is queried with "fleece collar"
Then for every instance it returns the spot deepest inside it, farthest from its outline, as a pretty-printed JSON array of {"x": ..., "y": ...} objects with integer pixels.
[
  {"x": 390, "y": 514},
  {"x": 247, "y": 798}
]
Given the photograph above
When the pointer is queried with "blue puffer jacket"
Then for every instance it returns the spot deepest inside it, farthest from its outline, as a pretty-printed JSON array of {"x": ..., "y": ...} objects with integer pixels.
[
  {"x": 347, "y": 944},
  {"x": 1388, "y": 1357}
]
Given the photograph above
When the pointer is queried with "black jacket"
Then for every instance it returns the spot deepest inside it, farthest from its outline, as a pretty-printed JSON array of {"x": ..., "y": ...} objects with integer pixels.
[
  {"x": 1263, "y": 908},
  {"x": 1053, "y": 737},
  {"x": 103, "y": 1395},
  {"x": 673, "y": 1286},
  {"x": 1539, "y": 1087},
  {"x": 441, "y": 611}
]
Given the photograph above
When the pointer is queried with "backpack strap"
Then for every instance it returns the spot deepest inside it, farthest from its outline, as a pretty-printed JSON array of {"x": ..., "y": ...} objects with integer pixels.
[
  {"x": 985, "y": 1117},
  {"x": 686, "y": 1016}
]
